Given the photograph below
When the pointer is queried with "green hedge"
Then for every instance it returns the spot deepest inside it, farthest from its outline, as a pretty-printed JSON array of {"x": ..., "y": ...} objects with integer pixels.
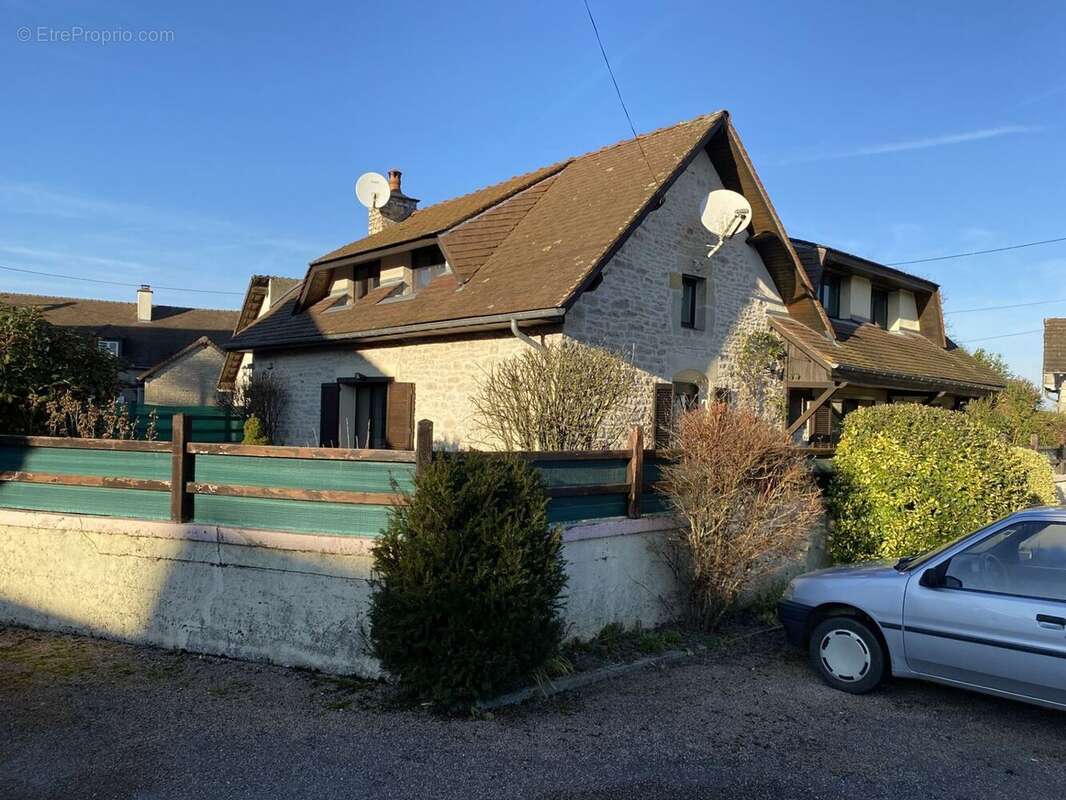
[
  {"x": 1040, "y": 480},
  {"x": 910, "y": 477}
]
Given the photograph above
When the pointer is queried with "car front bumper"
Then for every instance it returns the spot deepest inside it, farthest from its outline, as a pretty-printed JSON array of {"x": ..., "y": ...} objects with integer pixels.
[{"x": 794, "y": 617}]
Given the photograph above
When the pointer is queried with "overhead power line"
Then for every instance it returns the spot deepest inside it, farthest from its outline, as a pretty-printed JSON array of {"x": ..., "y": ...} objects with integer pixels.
[
  {"x": 114, "y": 283},
  {"x": 976, "y": 252},
  {"x": 1010, "y": 305},
  {"x": 617, "y": 90},
  {"x": 1001, "y": 336}
]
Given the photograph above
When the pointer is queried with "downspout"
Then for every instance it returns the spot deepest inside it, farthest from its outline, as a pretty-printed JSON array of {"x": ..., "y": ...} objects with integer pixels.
[{"x": 526, "y": 339}]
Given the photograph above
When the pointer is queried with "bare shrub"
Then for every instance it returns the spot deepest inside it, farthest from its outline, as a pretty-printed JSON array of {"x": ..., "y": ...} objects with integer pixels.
[
  {"x": 262, "y": 396},
  {"x": 67, "y": 415},
  {"x": 568, "y": 396},
  {"x": 747, "y": 501}
]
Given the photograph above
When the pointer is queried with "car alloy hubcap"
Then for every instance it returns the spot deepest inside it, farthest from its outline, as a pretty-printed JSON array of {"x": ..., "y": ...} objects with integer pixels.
[{"x": 845, "y": 655}]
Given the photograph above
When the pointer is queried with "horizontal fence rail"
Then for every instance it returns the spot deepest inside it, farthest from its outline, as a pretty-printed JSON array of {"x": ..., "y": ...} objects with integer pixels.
[{"x": 301, "y": 489}]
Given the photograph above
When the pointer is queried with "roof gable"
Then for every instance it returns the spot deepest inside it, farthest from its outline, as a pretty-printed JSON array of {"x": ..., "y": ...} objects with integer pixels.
[{"x": 545, "y": 241}]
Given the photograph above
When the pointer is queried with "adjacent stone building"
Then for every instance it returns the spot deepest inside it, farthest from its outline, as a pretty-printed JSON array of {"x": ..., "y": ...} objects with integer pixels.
[
  {"x": 606, "y": 249},
  {"x": 144, "y": 337}
]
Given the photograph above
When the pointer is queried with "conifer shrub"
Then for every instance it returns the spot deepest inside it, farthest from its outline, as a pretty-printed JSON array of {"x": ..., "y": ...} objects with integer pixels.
[
  {"x": 468, "y": 581},
  {"x": 1040, "y": 480},
  {"x": 909, "y": 478},
  {"x": 253, "y": 431}
]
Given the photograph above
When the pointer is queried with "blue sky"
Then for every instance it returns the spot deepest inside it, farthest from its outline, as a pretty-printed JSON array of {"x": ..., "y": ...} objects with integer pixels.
[{"x": 888, "y": 130}]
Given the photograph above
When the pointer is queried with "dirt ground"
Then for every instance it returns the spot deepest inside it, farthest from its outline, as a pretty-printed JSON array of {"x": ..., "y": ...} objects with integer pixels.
[{"x": 83, "y": 718}]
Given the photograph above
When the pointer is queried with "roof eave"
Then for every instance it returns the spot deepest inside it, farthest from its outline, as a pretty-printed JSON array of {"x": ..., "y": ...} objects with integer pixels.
[{"x": 415, "y": 330}]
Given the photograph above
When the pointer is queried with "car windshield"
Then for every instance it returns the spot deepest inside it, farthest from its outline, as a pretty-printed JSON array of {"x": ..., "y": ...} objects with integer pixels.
[{"x": 908, "y": 563}]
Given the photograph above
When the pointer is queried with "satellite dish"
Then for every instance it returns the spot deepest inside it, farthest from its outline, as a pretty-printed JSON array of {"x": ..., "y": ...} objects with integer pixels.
[
  {"x": 725, "y": 214},
  {"x": 372, "y": 190}
]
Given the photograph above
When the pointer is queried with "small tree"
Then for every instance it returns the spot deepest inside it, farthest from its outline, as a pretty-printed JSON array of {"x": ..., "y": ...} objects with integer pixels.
[
  {"x": 253, "y": 432},
  {"x": 746, "y": 497},
  {"x": 262, "y": 396},
  {"x": 1015, "y": 413},
  {"x": 40, "y": 362},
  {"x": 568, "y": 396},
  {"x": 468, "y": 578}
]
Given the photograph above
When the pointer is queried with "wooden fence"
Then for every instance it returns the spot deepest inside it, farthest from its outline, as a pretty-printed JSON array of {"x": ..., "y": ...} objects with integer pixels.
[
  {"x": 209, "y": 423},
  {"x": 305, "y": 489}
]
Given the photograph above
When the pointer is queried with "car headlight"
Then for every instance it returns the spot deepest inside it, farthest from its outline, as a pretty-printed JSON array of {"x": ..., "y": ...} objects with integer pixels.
[{"x": 790, "y": 590}]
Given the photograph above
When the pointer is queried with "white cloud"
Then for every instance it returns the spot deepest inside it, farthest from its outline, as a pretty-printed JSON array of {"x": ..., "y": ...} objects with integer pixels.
[{"x": 925, "y": 143}]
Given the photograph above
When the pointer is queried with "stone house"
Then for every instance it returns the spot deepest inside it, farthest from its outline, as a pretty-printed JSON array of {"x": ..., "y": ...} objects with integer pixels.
[
  {"x": 161, "y": 347},
  {"x": 605, "y": 249},
  {"x": 1055, "y": 360}
]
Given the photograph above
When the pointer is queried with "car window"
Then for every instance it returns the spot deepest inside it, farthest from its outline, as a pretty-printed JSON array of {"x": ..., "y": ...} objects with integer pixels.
[{"x": 1027, "y": 559}]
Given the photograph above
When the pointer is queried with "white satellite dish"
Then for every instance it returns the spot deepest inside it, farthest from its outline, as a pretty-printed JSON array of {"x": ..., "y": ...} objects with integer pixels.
[
  {"x": 725, "y": 214},
  {"x": 372, "y": 190}
]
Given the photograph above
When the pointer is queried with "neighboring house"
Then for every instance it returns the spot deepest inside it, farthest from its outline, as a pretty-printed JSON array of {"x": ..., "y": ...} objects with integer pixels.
[
  {"x": 264, "y": 291},
  {"x": 605, "y": 249},
  {"x": 1055, "y": 360},
  {"x": 888, "y": 345},
  {"x": 163, "y": 344},
  {"x": 187, "y": 378}
]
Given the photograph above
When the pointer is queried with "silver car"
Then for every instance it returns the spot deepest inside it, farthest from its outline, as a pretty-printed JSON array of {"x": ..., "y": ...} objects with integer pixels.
[{"x": 985, "y": 612}]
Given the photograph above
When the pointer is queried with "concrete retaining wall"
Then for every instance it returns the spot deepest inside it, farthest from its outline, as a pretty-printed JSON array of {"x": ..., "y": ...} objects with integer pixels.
[{"x": 291, "y": 599}]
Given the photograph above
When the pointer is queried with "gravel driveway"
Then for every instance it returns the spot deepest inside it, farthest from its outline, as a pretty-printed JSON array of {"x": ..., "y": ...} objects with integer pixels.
[{"x": 81, "y": 718}]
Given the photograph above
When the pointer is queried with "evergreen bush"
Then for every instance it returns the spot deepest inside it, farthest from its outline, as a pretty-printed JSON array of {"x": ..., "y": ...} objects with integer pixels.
[
  {"x": 1040, "y": 480},
  {"x": 468, "y": 581},
  {"x": 910, "y": 477},
  {"x": 253, "y": 431}
]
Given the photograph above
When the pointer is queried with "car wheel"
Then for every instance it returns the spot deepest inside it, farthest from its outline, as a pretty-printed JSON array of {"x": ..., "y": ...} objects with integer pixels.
[{"x": 848, "y": 655}]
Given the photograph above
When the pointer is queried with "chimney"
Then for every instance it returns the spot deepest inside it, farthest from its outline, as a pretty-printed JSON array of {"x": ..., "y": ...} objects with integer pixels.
[
  {"x": 396, "y": 210},
  {"x": 144, "y": 303}
]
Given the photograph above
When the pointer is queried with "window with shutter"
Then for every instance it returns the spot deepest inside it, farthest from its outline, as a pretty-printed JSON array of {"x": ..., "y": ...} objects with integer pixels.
[
  {"x": 329, "y": 415},
  {"x": 664, "y": 413},
  {"x": 400, "y": 417}
]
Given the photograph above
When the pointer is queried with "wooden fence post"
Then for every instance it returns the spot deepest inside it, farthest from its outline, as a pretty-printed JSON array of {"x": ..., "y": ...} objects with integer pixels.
[
  {"x": 1034, "y": 441},
  {"x": 181, "y": 468},
  {"x": 635, "y": 471},
  {"x": 424, "y": 445}
]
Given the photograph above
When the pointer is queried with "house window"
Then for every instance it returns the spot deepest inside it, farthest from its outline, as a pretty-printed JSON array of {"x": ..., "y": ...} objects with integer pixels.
[
  {"x": 692, "y": 289},
  {"x": 879, "y": 307},
  {"x": 113, "y": 346},
  {"x": 831, "y": 295},
  {"x": 367, "y": 277},
  {"x": 430, "y": 256}
]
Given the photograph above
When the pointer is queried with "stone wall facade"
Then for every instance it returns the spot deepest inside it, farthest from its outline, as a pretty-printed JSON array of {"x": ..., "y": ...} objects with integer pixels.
[
  {"x": 636, "y": 310},
  {"x": 446, "y": 373},
  {"x": 189, "y": 381}
]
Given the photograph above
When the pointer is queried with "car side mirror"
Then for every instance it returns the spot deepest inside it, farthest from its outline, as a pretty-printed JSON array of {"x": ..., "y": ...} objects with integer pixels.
[{"x": 931, "y": 579}]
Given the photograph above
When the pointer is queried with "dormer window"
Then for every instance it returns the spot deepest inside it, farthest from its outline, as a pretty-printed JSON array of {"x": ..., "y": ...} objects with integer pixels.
[
  {"x": 430, "y": 256},
  {"x": 830, "y": 295},
  {"x": 366, "y": 277},
  {"x": 879, "y": 307}
]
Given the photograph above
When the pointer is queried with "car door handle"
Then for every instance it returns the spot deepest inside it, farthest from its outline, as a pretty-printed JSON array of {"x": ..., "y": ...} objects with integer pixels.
[{"x": 1048, "y": 621}]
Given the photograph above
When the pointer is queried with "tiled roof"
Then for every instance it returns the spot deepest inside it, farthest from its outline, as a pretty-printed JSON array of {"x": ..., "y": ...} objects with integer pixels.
[
  {"x": 545, "y": 234},
  {"x": 872, "y": 351},
  {"x": 144, "y": 344},
  {"x": 431, "y": 220},
  {"x": 1055, "y": 345}
]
